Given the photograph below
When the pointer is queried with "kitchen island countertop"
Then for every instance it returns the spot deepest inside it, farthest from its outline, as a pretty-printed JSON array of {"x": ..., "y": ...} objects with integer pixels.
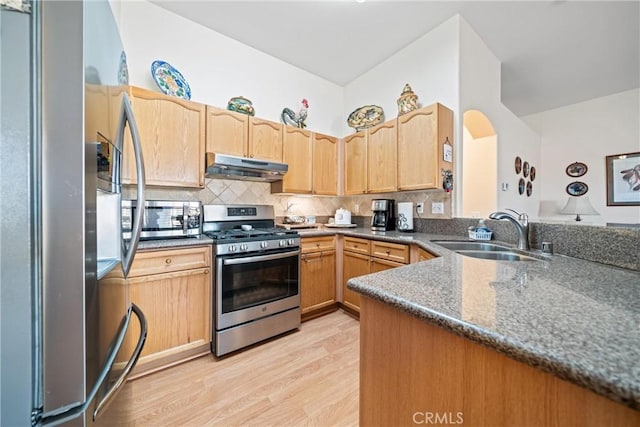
[{"x": 575, "y": 319}]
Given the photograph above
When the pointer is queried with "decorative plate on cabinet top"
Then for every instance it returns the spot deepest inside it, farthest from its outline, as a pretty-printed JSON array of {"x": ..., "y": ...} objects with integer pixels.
[
  {"x": 365, "y": 117},
  {"x": 242, "y": 105},
  {"x": 169, "y": 80}
]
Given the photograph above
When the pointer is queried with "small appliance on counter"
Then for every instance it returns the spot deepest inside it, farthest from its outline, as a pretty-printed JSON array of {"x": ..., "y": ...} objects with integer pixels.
[
  {"x": 405, "y": 216},
  {"x": 342, "y": 217},
  {"x": 164, "y": 219},
  {"x": 383, "y": 218}
]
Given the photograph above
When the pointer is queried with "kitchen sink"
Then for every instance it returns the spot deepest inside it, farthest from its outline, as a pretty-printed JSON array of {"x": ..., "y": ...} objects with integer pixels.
[
  {"x": 461, "y": 245},
  {"x": 498, "y": 255},
  {"x": 484, "y": 250}
]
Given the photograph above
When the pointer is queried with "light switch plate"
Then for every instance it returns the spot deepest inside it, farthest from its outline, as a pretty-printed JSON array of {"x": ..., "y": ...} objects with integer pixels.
[
  {"x": 437, "y": 208},
  {"x": 420, "y": 208}
]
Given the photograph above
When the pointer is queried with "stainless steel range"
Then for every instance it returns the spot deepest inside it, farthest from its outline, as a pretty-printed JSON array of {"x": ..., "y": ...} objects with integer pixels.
[{"x": 257, "y": 280}]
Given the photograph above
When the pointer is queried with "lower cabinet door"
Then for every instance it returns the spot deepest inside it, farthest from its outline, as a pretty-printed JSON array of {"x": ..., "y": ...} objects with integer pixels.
[
  {"x": 177, "y": 306},
  {"x": 378, "y": 264},
  {"x": 318, "y": 280},
  {"x": 353, "y": 265}
]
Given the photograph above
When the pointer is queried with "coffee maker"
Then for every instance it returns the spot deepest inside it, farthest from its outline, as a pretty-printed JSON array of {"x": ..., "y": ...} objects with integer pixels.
[{"x": 383, "y": 218}]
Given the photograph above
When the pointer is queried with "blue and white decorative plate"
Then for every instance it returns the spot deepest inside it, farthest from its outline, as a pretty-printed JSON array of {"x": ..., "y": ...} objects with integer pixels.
[{"x": 169, "y": 80}]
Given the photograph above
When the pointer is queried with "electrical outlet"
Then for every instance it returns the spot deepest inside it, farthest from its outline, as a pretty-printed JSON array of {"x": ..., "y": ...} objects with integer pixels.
[
  {"x": 420, "y": 208},
  {"x": 437, "y": 208},
  {"x": 356, "y": 208}
]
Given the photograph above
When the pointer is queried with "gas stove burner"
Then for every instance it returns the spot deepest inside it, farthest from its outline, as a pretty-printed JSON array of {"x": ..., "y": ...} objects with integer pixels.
[{"x": 254, "y": 234}]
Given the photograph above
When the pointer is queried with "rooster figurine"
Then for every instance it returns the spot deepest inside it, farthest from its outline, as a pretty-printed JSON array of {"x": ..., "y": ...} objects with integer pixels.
[{"x": 293, "y": 119}]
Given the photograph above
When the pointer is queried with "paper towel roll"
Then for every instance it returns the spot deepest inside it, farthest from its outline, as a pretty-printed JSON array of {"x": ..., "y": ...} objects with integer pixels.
[{"x": 405, "y": 216}]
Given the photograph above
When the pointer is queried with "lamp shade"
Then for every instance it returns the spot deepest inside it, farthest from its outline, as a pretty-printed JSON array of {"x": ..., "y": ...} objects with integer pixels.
[{"x": 578, "y": 206}]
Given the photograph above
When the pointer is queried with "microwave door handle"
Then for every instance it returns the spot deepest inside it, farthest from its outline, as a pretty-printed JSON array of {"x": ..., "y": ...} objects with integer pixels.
[
  {"x": 136, "y": 228},
  {"x": 117, "y": 385},
  {"x": 185, "y": 218}
]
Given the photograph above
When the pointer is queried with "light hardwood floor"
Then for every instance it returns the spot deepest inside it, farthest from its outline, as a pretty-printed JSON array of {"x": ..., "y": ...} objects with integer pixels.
[{"x": 306, "y": 378}]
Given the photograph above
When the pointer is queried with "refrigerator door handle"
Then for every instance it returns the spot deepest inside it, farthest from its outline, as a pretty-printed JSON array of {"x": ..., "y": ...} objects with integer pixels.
[
  {"x": 127, "y": 116},
  {"x": 115, "y": 388},
  {"x": 55, "y": 418}
]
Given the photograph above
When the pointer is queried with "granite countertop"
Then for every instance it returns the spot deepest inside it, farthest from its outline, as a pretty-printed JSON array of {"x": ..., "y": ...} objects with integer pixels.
[{"x": 576, "y": 319}]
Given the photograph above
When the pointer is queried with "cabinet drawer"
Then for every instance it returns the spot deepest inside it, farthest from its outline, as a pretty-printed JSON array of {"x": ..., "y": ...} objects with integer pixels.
[
  {"x": 315, "y": 244},
  {"x": 354, "y": 244},
  {"x": 166, "y": 261},
  {"x": 390, "y": 251}
]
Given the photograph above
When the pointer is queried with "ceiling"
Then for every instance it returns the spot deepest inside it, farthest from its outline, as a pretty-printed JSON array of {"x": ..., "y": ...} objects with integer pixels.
[{"x": 553, "y": 53}]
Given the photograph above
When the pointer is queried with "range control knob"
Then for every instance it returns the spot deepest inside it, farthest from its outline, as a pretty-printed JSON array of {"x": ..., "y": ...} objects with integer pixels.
[
  {"x": 232, "y": 248},
  {"x": 244, "y": 247},
  {"x": 263, "y": 245},
  {"x": 282, "y": 243},
  {"x": 290, "y": 241}
]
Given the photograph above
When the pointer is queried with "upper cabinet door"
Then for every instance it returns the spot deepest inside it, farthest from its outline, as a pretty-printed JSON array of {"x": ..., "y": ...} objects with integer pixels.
[
  {"x": 325, "y": 164},
  {"x": 227, "y": 132},
  {"x": 421, "y": 138},
  {"x": 297, "y": 154},
  {"x": 355, "y": 163},
  {"x": 172, "y": 136},
  {"x": 265, "y": 140},
  {"x": 382, "y": 158}
]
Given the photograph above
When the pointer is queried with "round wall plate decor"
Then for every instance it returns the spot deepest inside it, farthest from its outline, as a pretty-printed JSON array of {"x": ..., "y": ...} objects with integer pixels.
[
  {"x": 577, "y": 188},
  {"x": 576, "y": 169},
  {"x": 518, "y": 164},
  {"x": 529, "y": 189},
  {"x": 532, "y": 173},
  {"x": 521, "y": 186},
  {"x": 525, "y": 169}
]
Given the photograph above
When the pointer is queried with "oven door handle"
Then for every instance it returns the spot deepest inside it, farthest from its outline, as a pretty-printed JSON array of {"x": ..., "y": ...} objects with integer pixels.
[{"x": 259, "y": 258}]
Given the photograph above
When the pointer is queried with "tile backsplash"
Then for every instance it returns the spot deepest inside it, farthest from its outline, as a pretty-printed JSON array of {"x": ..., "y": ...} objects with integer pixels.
[{"x": 223, "y": 191}]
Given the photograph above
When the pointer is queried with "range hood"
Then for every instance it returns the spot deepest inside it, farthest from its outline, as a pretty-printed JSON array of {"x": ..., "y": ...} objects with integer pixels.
[{"x": 233, "y": 167}]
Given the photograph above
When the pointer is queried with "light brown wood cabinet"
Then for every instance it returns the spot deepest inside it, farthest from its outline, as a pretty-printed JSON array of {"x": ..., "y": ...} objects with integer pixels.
[
  {"x": 370, "y": 160},
  {"x": 422, "y": 134},
  {"x": 463, "y": 382},
  {"x": 173, "y": 290},
  {"x": 382, "y": 158},
  {"x": 229, "y": 132},
  {"x": 364, "y": 256},
  {"x": 317, "y": 275},
  {"x": 355, "y": 163},
  {"x": 172, "y": 134},
  {"x": 297, "y": 153},
  {"x": 325, "y": 165},
  {"x": 313, "y": 163}
]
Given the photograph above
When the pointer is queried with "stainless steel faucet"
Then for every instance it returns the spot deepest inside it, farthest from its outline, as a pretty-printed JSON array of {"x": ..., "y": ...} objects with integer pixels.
[{"x": 521, "y": 223}]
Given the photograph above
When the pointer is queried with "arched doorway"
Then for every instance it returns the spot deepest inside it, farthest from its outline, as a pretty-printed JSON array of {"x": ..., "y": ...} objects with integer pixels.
[{"x": 479, "y": 166}]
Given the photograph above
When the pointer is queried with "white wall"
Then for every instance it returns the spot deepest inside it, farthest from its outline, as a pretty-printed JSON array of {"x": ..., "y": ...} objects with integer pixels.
[
  {"x": 429, "y": 65},
  {"x": 587, "y": 132},
  {"x": 218, "y": 68},
  {"x": 480, "y": 174},
  {"x": 480, "y": 90}
]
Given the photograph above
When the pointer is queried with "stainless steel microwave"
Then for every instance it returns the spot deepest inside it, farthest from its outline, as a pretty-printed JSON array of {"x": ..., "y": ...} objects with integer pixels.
[{"x": 164, "y": 219}]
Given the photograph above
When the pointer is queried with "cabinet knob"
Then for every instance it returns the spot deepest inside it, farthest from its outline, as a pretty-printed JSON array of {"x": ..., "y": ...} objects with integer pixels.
[
  {"x": 388, "y": 252},
  {"x": 167, "y": 261},
  {"x": 206, "y": 271},
  {"x": 317, "y": 245}
]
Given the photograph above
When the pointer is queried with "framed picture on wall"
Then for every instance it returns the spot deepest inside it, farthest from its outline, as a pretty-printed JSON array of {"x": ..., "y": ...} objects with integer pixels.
[{"x": 623, "y": 179}]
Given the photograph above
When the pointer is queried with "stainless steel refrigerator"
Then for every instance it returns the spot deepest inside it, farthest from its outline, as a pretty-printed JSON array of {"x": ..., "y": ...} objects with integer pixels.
[{"x": 72, "y": 118}]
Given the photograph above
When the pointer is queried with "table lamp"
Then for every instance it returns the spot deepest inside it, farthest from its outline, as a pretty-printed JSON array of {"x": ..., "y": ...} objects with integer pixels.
[{"x": 578, "y": 206}]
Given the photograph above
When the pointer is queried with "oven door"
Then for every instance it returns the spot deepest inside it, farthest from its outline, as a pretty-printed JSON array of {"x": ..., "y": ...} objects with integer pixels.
[{"x": 249, "y": 287}]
